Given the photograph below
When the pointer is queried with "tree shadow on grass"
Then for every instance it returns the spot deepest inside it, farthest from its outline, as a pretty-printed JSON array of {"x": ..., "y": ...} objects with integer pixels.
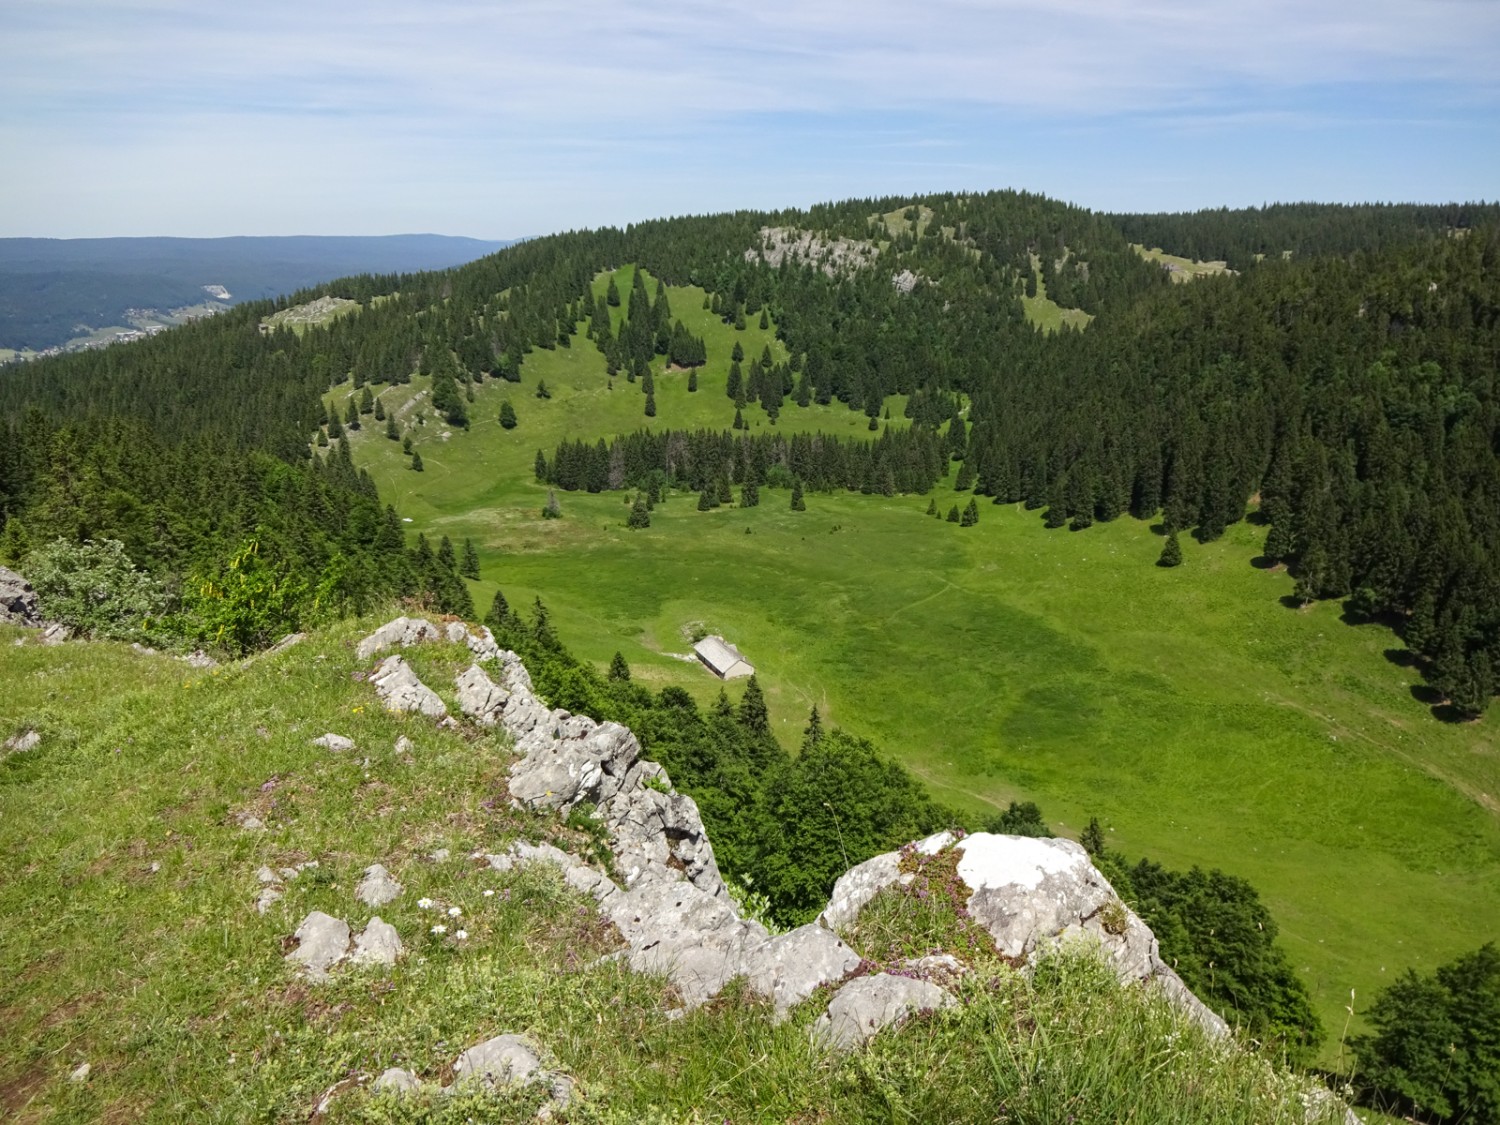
[
  {"x": 1291, "y": 602},
  {"x": 1426, "y": 693},
  {"x": 1264, "y": 562},
  {"x": 1402, "y": 657},
  {"x": 1447, "y": 713}
]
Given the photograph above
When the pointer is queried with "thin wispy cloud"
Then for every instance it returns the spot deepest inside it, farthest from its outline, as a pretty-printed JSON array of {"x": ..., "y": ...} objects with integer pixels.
[{"x": 301, "y": 96}]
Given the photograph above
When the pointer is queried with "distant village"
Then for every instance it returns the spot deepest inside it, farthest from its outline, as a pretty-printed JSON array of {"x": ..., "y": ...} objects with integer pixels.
[{"x": 148, "y": 322}]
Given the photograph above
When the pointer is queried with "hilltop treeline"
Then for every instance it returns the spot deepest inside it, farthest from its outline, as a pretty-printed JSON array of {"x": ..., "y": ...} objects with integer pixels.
[
  {"x": 1351, "y": 388},
  {"x": 1244, "y": 237}
]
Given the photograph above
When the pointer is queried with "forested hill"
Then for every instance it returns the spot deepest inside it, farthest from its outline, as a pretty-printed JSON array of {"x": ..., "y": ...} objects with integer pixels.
[
  {"x": 54, "y": 289},
  {"x": 1351, "y": 388}
]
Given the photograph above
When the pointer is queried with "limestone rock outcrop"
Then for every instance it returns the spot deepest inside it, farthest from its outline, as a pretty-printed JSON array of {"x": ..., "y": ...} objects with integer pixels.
[{"x": 671, "y": 906}]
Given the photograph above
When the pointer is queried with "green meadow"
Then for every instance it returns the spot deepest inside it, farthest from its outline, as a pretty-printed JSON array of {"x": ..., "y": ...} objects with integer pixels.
[{"x": 1196, "y": 716}]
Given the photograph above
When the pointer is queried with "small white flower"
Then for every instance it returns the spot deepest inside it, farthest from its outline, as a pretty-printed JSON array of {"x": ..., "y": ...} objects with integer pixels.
[
  {"x": 424, "y": 904},
  {"x": 454, "y": 912},
  {"x": 462, "y": 935},
  {"x": 440, "y": 929},
  {"x": 489, "y": 894}
]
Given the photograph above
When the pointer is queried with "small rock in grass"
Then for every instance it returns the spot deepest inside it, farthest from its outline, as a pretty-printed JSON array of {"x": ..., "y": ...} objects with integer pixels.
[
  {"x": 252, "y": 823},
  {"x": 377, "y": 887},
  {"x": 378, "y": 945},
  {"x": 867, "y": 1004},
  {"x": 498, "y": 1062},
  {"x": 27, "y": 740},
  {"x": 396, "y": 1081},
  {"x": 440, "y": 856},
  {"x": 404, "y": 745},
  {"x": 81, "y": 1074},
  {"x": 323, "y": 941},
  {"x": 333, "y": 741},
  {"x": 269, "y": 897}
]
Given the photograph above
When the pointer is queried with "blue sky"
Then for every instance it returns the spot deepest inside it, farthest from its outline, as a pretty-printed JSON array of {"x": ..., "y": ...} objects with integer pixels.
[{"x": 139, "y": 117}]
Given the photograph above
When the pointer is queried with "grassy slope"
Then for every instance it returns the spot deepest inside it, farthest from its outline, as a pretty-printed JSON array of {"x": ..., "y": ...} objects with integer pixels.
[
  {"x": 128, "y": 937},
  {"x": 1199, "y": 719},
  {"x": 1187, "y": 268}
]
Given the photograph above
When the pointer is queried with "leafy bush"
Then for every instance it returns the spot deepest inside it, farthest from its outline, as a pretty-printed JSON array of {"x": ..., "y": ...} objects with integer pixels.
[{"x": 95, "y": 588}]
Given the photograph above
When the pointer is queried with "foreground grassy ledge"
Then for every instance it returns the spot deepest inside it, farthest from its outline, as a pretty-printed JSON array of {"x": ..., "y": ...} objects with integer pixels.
[{"x": 131, "y": 941}]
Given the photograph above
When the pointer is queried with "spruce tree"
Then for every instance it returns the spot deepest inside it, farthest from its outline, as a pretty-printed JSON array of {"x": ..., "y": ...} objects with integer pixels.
[
  {"x": 738, "y": 423},
  {"x": 507, "y": 415},
  {"x": 499, "y": 615},
  {"x": 322, "y": 440},
  {"x": 932, "y": 507},
  {"x": 812, "y": 734},
  {"x": 351, "y": 416},
  {"x": 640, "y": 514},
  {"x": 752, "y": 713},
  {"x": 469, "y": 561},
  {"x": 765, "y": 321},
  {"x": 551, "y": 510},
  {"x": 749, "y": 494},
  {"x": 612, "y": 294},
  {"x": 798, "y": 504},
  {"x": 392, "y": 430},
  {"x": 619, "y": 671},
  {"x": 539, "y": 466},
  {"x": 406, "y": 445},
  {"x": 1093, "y": 838},
  {"x": 737, "y": 353},
  {"x": 367, "y": 401},
  {"x": 379, "y": 411},
  {"x": 335, "y": 428},
  {"x": 1171, "y": 552},
  {"x": 971, "y": 514},
  {"x": 416, "y": 461},
  {"x": 692, "y": 380},
  {"x": 446, "y": 555},
  {"x": 706, "y": 501},
  {"x": 953, "y": 516},
  {"x": 650, "y": 406}
]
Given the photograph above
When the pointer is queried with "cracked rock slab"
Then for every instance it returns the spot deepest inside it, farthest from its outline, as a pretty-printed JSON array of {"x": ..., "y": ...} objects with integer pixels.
[
  {"x": 403, "y": 632},
  {"x": 867, "y": 1004},
  {"x": 401, "y": 690}
]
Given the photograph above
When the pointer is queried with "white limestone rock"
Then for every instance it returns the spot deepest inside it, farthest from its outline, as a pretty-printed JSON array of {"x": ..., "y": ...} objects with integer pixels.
[
  {"x": 322, "y": 942},
  {"x": 401, "y": 690},
  {"x": 396, "y": 1081},
  {"x": 479, "y": 697},
  {"x": 20, "y": 743},
  {"x": 867, "y": 1004},
  {"x": 379, "y": 944},
  {"x": 501, "y": 1061},
  {"x": 377, "y": 887},
  {"x": 403, "y": 632},
  {"x": 335, "y": 742}
]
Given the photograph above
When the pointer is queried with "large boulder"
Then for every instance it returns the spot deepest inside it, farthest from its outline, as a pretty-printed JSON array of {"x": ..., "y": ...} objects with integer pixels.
[
  {"x": 1031, "y": 894},
  {"x": 400, "y": 633},
  {"x": 18, "y": 601}
]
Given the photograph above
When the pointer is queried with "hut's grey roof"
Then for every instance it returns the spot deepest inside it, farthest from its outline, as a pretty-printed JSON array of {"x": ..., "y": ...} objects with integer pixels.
[{"x": 722, "y": 658}]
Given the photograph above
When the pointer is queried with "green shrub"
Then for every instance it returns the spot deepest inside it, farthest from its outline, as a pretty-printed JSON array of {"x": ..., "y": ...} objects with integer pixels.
[{"x": 95, "y": 588}]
